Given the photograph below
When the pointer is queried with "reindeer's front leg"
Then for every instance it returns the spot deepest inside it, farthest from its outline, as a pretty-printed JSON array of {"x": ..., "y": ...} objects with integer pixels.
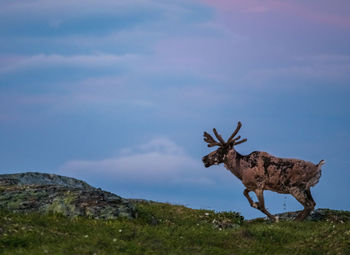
[
  {"x": 250, "y": 200},
  {"x": 261, "y": 205}
]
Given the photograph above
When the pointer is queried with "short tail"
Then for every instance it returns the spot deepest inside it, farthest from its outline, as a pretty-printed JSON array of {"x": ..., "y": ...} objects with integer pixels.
[
  {"x": 322, "y": 162},
  {"x": 314, "y": 180}
]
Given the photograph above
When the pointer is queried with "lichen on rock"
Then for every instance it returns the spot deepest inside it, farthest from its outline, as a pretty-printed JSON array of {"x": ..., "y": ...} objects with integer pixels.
[{"x": 49, "y": 193}]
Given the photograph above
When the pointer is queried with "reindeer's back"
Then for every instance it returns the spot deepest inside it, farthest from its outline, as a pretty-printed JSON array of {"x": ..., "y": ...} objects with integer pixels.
[{"x": 281, "y": 174}]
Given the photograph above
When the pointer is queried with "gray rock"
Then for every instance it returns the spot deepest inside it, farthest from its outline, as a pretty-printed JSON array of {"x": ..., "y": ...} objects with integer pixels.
[
  {"x": 34, "y": 178},
  {"x": 40, "y": 192},
  {"x": 320, "y": 214}
]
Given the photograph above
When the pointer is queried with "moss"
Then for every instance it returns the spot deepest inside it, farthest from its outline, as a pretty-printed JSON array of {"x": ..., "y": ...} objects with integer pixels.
[{"x": 62, "y": 204}]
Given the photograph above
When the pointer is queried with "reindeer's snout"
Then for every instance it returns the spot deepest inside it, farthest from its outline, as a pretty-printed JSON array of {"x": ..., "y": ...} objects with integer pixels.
[
  {"x": 206, "y": 161},
  {"x": 213, "y": 158}
]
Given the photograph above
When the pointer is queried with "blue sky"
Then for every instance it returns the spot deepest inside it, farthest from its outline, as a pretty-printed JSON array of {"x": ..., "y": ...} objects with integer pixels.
[{"x": 119, "y": 93}]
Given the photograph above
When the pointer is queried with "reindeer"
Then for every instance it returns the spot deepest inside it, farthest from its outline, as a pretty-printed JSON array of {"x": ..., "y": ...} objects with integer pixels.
[{"x": 261, "y": 171}]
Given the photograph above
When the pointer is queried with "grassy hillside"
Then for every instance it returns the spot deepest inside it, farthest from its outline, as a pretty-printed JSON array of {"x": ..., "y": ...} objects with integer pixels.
[{"x": 170, "y": 229}]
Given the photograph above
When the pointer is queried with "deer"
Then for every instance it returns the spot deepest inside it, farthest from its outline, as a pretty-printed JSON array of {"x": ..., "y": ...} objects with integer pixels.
[{"x": 260, "y": 171}]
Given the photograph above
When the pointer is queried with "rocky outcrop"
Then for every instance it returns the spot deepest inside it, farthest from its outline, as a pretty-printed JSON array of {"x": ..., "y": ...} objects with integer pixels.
[
  {"x": 320, "y": 214},
  {"x": 40, "y": 192}
]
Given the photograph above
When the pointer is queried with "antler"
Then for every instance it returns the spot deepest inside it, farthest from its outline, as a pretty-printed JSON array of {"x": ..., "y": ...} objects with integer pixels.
[
  {"x": 232, "y": 139},
  {"x": 239, "y": 125},
  {"x": 222, "y": 141},
  {"x": 239, "y": 142},
  {"x": 210, "y": 140}
]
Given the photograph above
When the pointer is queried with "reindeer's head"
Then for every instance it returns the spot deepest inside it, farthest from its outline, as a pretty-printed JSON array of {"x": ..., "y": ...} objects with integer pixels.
[{"x": 218, "y": 156}]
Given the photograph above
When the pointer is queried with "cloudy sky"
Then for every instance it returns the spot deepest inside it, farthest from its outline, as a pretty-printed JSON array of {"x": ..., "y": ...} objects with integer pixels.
[{"x": 118, "y": 93}]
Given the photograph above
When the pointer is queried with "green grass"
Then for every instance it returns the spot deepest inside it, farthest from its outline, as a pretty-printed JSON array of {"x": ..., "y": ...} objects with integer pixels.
[{"x": 168, "y": 229}]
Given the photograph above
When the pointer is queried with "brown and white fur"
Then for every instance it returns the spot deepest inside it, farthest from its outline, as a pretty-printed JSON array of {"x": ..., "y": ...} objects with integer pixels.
[{"x": 261, "y": 171}]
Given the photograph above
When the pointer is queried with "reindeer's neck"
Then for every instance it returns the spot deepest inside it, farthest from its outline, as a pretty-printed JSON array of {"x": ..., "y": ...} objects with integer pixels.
[{"x": 234, "y": 162}]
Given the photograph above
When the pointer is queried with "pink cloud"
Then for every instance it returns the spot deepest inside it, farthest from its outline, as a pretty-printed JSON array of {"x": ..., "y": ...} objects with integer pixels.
[
  {"x": 238, "y": 5},
  {"x": 316, "y": 13}
]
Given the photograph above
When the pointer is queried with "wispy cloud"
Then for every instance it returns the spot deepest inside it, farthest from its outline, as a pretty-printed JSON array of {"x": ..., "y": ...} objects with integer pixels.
[
  {"x": 62, "y": 18},
  {"x": 239, "y": 5},
  {"x": 320, "y": 68},
  {"x": 67, "y": 7},
  {"x": 18, "y": 63},
  {"x": 159, "y": 161}
]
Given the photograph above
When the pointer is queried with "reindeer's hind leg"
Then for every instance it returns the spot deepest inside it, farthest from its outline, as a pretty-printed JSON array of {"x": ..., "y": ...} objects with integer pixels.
[
  {"x": 261, "y": 205},
  {"x": 304, "y": 197}
]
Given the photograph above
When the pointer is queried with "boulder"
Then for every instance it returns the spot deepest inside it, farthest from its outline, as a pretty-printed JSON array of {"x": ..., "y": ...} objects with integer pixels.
[
  {"x": 320, "y": 214},
  {"x": 50, "y": 193}
]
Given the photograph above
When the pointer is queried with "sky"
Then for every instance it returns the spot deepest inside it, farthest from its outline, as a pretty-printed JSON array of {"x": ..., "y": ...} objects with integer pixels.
[{"x": 119, "y": 93}]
